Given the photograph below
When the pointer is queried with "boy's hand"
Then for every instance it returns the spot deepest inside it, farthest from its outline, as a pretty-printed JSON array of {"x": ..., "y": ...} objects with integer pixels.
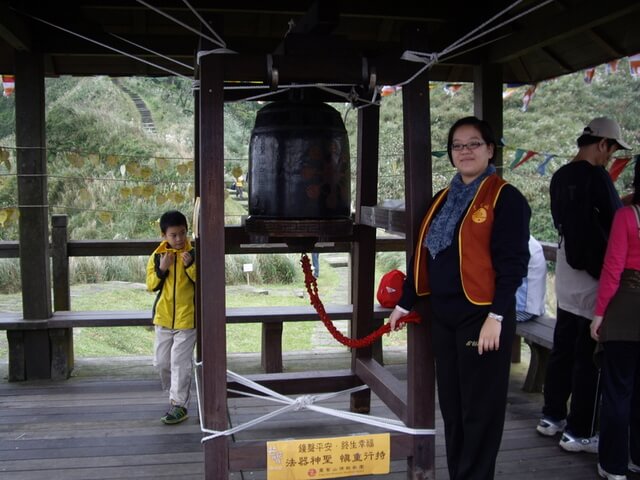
[
  {"x": 187, "y": 259},
  {"x": 166, "y": 260}
]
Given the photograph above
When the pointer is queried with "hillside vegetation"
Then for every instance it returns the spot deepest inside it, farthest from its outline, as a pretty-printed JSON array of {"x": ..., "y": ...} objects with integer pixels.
[{"x": 114, "y": 179}]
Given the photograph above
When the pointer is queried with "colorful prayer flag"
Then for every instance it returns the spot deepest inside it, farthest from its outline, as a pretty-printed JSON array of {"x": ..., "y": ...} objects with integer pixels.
[
  {"x": 611, "y": 67},
  {"x": 588, "y": 74},
  {"x": 452, "y": 88},
  {"x": 634, "y": 65},
  {"x": 8, "y": 85},
  {"x": 389, "y": 90},
  {"x": 542, "y": 168},
  {"x": 508, "y": 92},
  {"x": 618, "y": 166},
  {"x": 521, "y": 157},
  {"x": 528, "y": 95}
]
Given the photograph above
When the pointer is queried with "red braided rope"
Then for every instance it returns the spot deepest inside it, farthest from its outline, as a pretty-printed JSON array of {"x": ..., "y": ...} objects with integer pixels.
[{"x": 312, "y": 289}]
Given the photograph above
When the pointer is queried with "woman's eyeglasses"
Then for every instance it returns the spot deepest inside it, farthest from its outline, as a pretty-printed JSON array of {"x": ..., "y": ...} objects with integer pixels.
[{"x": 458, "y": 147}]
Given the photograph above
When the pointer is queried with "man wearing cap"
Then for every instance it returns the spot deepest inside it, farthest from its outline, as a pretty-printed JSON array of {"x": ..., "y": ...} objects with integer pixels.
[{"x": 583, "y": 202}]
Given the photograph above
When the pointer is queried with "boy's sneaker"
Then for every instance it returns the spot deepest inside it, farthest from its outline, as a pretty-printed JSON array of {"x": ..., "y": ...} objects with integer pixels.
[
  {"x": 610, "y": 476},
  {"x": 176, "y": 414},
  {"x": 550, "y": 427},
  {"x": 633, "y": 467},
  {"x": 579, "y": 444}
]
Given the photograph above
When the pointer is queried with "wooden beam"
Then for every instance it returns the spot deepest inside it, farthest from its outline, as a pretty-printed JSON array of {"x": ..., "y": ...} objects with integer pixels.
[
  {"x": 363, "y": 254},
  {"x": 550, "y": 29},
  {"x": 32, "y": 186},
  {"x": 391, "y": 391},
  {"x": 298, "y": 383},
  {"x": 487, "y": 102},
  {"x": 557, "y": 59},
  {"x": 211, "y": 263},
  {"x": 418, "y": 193},
  {"x": 613, "y": 51},
  {"x": 13, "y": 30}
]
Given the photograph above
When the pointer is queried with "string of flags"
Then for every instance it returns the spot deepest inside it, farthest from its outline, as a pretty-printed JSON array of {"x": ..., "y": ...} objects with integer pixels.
[
  {"x": 8, "y": 85},
  {"x": 522, "y": 156},
  {"x": 510, "y": 88}
]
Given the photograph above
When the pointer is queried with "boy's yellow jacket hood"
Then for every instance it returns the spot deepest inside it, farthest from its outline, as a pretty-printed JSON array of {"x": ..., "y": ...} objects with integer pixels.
[{"x": 175, "y": 304}]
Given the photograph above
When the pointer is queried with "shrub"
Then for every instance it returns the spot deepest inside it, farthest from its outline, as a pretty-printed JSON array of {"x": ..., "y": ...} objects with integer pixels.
[
  {"x": 85, "y": 270},
  {"x": 233, "y": 272},
  {"x": 387, "y": 261},
  {"x": 10, "y": 275},
  {"x": 103, "y": 269},
  {"x": 276, "y": 268}
]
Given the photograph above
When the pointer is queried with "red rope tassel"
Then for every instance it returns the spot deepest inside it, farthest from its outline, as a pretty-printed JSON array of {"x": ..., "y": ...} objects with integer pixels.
[{"x": 312, "y": 289}]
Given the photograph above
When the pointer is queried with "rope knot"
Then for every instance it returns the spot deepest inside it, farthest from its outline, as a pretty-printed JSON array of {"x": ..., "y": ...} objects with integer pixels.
[{"x": 302, "y": 402}]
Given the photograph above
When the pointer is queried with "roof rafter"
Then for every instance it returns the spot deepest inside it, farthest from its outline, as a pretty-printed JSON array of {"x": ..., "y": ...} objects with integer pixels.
[
  {"x": 571, "y": 22},
  {"x": 13, "y": 30}
]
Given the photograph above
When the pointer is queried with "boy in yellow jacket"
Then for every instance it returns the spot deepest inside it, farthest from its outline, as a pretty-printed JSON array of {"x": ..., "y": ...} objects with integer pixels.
[{"x": 171, "y": 271}]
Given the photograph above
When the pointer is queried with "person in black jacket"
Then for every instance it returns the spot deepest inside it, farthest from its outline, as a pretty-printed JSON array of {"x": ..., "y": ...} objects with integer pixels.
[
  {"x": 583, "y": 203},
  {"x": 470, "y": 259}
]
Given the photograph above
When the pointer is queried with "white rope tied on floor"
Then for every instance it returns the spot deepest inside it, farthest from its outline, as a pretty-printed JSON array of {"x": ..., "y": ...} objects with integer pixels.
[{"x": 303, "y": 402}]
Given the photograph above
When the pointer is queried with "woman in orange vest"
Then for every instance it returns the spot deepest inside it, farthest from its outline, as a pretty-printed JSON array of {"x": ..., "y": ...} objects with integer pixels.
[{"x": 469, "y": 261}]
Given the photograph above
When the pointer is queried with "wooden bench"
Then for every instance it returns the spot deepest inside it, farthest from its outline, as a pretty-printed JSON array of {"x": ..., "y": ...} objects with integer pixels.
[
  {"x": 59, "y": 325},
  {"x": 538, "y": 334}
]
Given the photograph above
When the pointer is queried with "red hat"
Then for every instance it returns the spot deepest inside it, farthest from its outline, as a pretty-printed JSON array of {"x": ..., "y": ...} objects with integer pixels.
[{"x": 390, "y": 288}]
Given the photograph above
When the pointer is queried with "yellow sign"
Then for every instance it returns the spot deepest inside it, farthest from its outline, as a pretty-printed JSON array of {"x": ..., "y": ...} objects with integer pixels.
[{"x": 328, "y": 457}]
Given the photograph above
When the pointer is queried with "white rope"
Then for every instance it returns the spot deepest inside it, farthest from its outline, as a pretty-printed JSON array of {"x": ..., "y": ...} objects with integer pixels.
[
  {"x": 121, "y": 52},
  {"x": 351, "y": 97},
  {"x": 182, "y": 24},
  {"x": 459, "y": 43},
  {"x": 303, "y": 402},
  {"x": 206, "y": 24},
  {"x": 431, "y": 59},
  {"x": 480, "y": 27},
  {"x": 190, "y": 67},
  {"x": 204, "y": 53}
]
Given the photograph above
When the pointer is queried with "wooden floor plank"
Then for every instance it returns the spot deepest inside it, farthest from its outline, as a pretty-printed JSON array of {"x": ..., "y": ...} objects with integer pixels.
[{"x": 104, "y": 424}]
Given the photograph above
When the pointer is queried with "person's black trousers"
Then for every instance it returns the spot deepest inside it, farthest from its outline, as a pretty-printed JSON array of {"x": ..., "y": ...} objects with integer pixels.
[
  {"x": 620, "y": 413},
  {"x": 571, "y": 372},
  {"x": 472, "y": 392}
]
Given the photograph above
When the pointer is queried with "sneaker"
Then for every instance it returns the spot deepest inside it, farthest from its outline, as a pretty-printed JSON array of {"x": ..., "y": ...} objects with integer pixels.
[
  {"x": 610, "y": 476},
  {"x": 579, "y": 444},
  {"x": 550, "y": 427},
  {"x": 176, "y": 414},
  {"x": 633, "y": 467}
]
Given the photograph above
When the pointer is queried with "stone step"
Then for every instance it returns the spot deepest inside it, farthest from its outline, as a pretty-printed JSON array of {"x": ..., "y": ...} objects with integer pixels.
[{"x": 336, "y": 261}]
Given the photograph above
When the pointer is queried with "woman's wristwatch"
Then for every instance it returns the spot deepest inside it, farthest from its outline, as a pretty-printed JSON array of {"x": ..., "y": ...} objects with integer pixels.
[{"x": 495, "y": 317}]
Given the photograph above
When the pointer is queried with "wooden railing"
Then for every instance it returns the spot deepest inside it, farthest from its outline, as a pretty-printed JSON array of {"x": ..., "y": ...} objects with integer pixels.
[{"x": 237, "y": 241}]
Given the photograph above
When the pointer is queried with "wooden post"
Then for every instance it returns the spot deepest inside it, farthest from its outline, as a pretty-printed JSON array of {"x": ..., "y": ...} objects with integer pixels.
[
  {"x": 271, "y": 354},
  {"x": 211, "y": 263},
  {"x": 34, "y": 213},
  {"x": 61, "y": 339},
  {"x": 487, "y": 102},
  {"x": 196, "y": 191},
  {"x": 418, "y": 193},
  {"x": 60, "y": 263},
  {"x": 363, "y": 251}
]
